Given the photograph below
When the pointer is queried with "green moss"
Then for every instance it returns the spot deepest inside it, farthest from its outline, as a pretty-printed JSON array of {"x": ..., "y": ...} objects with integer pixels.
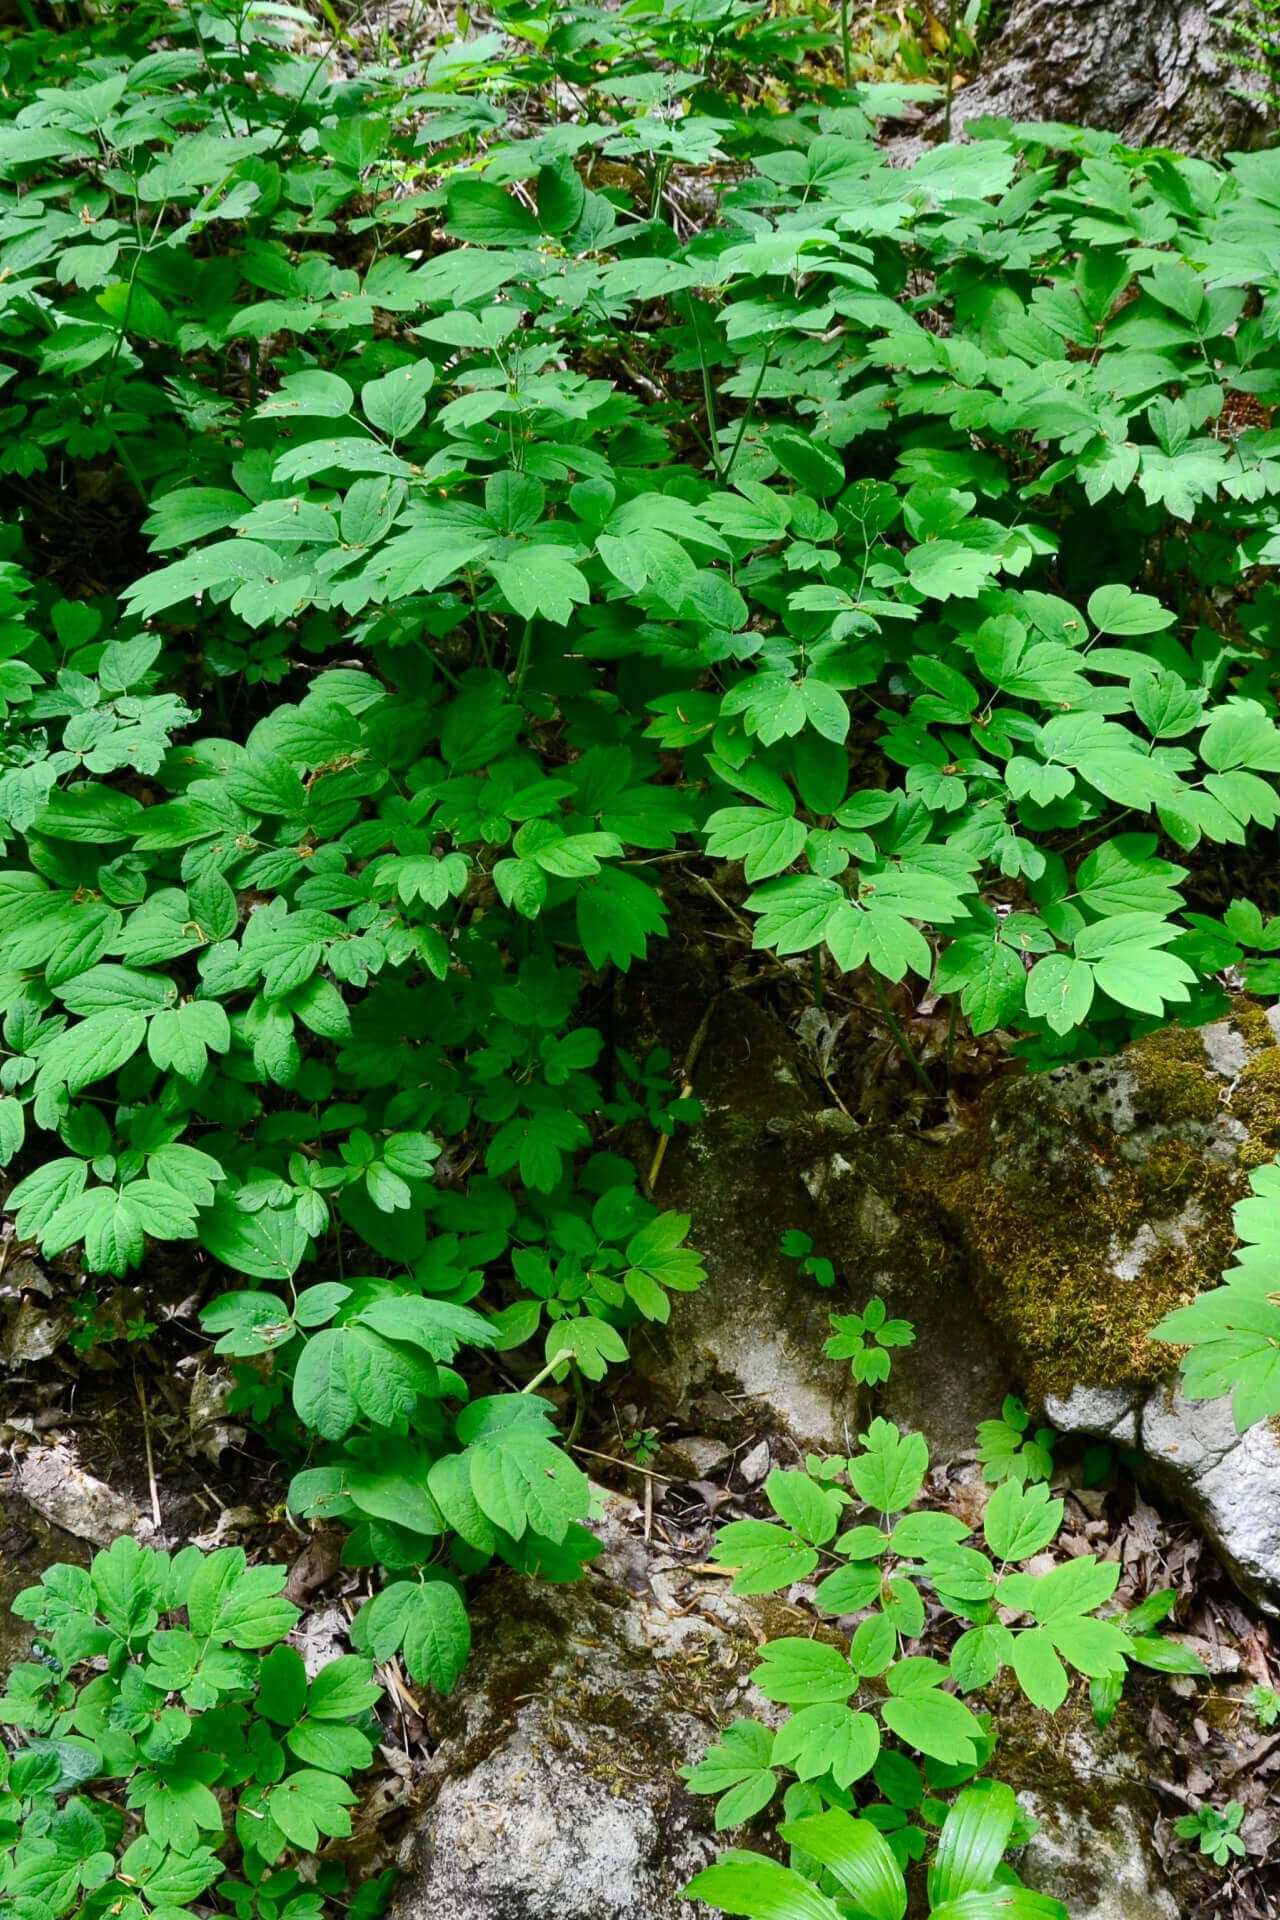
[
  {"x": 1256, "y": 1101},
  {"x": 1249, "y": 1018},
  {"x": 1050, "y": 1204},
  {"x": 1048, "y": 1228},
  {"x": 1175, "y": 1082}
]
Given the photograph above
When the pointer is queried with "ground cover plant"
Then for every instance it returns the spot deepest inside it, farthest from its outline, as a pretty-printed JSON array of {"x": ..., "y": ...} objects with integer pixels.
[
  {"x": 129, "y": 1725},
  {"x": 457, "y": 508},
  {"x": 870, "y": 1717}
]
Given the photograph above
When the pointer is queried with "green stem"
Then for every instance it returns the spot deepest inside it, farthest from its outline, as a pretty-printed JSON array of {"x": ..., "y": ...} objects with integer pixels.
[
  {"x": 708, "y": 396},
  {"x": 904, "y": 1045},
  {"x": 548, "y": 1370},
  {"x": 742, "y": 424},
  {"x": 846, "y": 44},
  {"x": 951, "y": 68},
  {"x": 522, "y": 659}
]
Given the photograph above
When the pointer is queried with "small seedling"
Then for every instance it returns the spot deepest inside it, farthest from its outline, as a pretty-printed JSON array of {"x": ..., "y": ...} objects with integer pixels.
[
  {"x": 862, "y": 1340},
  {"x": 798, "y": 1246},
  {"x": 1009, "y": 1450},
  {"x": 1217, "y": 1832},
  {"x": 642, "y": 1447},
  {"x": 1265, "y": 1702}
]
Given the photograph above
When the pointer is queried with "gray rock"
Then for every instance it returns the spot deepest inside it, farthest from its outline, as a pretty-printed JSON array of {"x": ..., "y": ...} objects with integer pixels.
[
  {"x": 1035, "y": 1247},
  {"x": 556, "y": 1794},
  {"x": 1228, "y": 1481},
  {"x": 770, "y": 1155},
  {"x": 1095, "y": 1849},
  {"x": 1099, "y": 1197},
  {"x": 558, "y": 1797}
]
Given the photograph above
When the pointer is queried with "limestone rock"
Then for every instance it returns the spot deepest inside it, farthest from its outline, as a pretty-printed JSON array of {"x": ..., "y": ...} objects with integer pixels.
[
  {"x": 1098, "y": 1197},
  {"x": 1034, "y": 1247},
  {"x": 1096, "y": 1849},
  {"x": 1095, "y": 1198},
  {"x": 772, "y": 1154},
  {"x": 1229, "y": 1482},
  {"x": 558, "y": 1796}
]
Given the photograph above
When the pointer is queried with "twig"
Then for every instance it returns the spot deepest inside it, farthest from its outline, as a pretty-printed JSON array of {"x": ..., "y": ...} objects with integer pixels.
[
  {"x": 686, "y": 1085},
  {"x": 904, "y": 1045},
  {"x": 616, "y": 1461},
  {"x": 156, "y": 1514},
  {"x": 1175, "y": 1792}
]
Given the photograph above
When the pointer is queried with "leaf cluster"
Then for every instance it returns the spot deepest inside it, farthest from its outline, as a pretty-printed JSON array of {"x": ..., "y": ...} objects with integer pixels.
[{"x": 176, "y": 1758}]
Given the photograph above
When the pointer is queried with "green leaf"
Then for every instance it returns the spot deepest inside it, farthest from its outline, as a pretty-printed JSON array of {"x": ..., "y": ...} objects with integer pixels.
[
  {"x": 592, "y": 1344},
  {"x": 947, "y": 569},
  {"x": 397, "y": 403},
  {"x": 1041, "y": 1674},
  {"x": 428, "y": 1620},
  {"x": 759, "y": 1889},
  {"x": 93, "y": 1048},
  {"x": 238, "y": 1604},
  {"x": 934, "y": 1722},
  {"x": 322, "y": 1393},
  {"x": 1021, "y": 1521},
  {"x": 523, "y": 1482},
  {"x": 483, "y": 214},
  {"x": 309, "y": 1803},
  {"x": 343, "y": 1688},
  {"x": 856, "y": 1855},
  {"x": 890, "y": 1473},
  {"x": 764, "y": 1558},
  {"x": 542, "y": 581},
  {"x": 799, "y": 1673},
  {"x": 813, "y": 1511},
  {"x": 973, "y": 1840},
  {"x": 269, "y": 1244},
  {"x": 827, "y": 1738},
  {"x": 1117, "y": 609},
  {"x": 737, "y": 1768}
]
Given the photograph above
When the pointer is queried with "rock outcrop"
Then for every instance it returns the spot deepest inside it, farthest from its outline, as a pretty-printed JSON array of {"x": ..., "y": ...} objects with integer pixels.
[
  {"x": 1154, "y": 72},
  {"x": 559, "y": 1797},
  {"x": 1035, "y": 1247}
]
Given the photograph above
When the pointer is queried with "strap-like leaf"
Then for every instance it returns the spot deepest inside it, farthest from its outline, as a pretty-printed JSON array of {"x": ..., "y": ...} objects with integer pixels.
[
  {"x": 974, "y": 1837},
  {"x": 858, "y": 1855},
  {"x": 758, "y": 1888}
]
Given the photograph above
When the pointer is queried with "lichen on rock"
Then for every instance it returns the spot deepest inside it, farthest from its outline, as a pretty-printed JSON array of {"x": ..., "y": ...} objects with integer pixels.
[{"x": 1087, "y": 1787}]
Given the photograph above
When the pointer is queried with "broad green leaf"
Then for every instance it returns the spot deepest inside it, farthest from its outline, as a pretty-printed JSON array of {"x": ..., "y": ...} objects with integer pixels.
[
  {"x": 857, "y": 1856},
  {"x": 758, "y": 1888}
]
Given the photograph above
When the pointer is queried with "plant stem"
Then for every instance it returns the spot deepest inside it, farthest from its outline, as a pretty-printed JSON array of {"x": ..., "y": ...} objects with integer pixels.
[
  {"x": 742, "y": 424},
  {"x": 951, "y": 68},
  {"x": 904, "y": 1045},
  {"x": 548, "y": 1370},
  {"x": 846, "y": 44}
]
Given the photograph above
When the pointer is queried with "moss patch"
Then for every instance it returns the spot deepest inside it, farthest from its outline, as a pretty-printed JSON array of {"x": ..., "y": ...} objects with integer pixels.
[
  {"x": 1078, "y": 1247},
  {"x": 1175, "y": 1083},
  {"x": 1256, "y": 1101}
]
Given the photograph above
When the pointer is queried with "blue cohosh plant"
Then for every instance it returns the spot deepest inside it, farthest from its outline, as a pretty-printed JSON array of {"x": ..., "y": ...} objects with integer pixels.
[
  {"x": 174, "y": 1756},
  {"x": 880, "y": 1732},
  {"x": 487, "y": 541}
]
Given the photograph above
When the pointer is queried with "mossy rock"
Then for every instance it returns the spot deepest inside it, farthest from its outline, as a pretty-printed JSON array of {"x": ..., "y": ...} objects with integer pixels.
[{"x": 1097, "y": 1198}]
